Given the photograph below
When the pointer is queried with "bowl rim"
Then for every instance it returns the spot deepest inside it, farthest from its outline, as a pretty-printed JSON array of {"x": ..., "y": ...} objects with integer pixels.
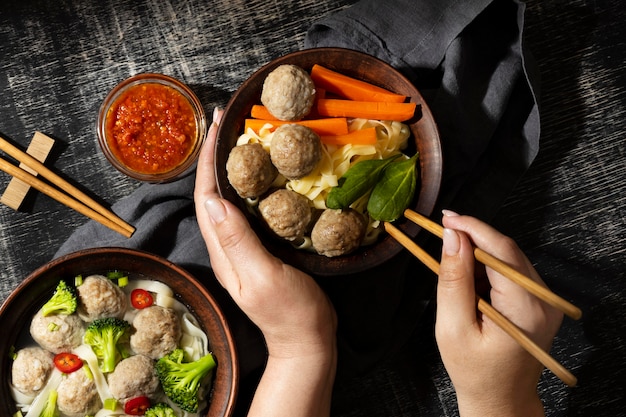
[
  {"x": 230, "y": 404},
  {"x": 363, "y": 258}
]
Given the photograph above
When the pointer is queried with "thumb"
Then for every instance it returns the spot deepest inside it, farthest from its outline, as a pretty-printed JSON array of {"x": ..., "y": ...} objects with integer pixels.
[
  {"x": 241, "y": 247},
  {"x": 456, "y": 296}
]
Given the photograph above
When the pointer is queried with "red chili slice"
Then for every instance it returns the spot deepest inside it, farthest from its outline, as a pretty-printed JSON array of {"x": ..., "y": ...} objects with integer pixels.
[
  {"x": 137, "y": 406},
  {"x": 141, "y": 298},
  {"x": 67, "y": 362}
]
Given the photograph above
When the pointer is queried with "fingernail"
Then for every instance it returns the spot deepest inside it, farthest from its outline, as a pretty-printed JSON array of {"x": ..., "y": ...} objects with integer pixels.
[
  {"x": 216, "y": 115},
  {"x": 451, "y": 242},
  {"x": 216, "y": 209},
  {"x": 449, "y": 213}
]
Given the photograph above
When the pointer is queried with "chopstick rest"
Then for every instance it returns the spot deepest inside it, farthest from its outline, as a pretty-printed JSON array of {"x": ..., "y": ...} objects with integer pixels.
[
  {"x": 16, "y": 191},
  {"x": 484, "y": 307},
  {"x": 74, "y": 198}
]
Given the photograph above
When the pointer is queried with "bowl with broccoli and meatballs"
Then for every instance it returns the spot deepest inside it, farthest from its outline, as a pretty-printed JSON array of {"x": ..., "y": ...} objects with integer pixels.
[{"x": 115, "y": 331}]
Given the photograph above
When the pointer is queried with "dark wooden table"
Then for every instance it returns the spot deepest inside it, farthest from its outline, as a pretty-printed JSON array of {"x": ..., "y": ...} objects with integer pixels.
[{"x": 59, "y": 59}]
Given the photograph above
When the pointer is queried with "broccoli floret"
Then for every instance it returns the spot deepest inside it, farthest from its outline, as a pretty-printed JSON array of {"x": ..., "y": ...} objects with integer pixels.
[
  {"x": 104, "y": 336},
  {"x": 181, "y": 380},
  {"x": 50, "y": 409},
  {"x": 63, "y": 301},
  {"x": 160, "y": 410}
]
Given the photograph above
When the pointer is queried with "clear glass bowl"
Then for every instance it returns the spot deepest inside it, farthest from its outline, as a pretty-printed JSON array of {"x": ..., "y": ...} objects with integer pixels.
[{"x": 110, "y": 145}]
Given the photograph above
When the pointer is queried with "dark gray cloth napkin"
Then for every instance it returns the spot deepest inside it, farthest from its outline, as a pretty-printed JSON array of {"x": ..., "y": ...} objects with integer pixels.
[{"x": 468, "y": 60}]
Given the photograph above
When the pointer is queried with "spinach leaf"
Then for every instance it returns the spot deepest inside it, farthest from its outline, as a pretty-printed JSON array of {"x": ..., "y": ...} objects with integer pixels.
[
  {"x": 394, "y": 192},
  {"x": 357, "y": 181}
]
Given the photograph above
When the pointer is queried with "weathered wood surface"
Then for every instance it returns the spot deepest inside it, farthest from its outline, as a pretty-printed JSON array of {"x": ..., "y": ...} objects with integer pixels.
[{"x": 58, "y": 60}]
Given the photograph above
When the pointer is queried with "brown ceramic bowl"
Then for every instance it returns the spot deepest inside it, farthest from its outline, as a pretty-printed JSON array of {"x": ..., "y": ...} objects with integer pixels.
[
  {"x": 425, "y": 140},
  {"x": 18, "y": 309}
]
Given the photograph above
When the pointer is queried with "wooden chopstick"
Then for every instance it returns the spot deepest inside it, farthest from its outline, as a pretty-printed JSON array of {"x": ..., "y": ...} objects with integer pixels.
[
  {"x": 484, "y": 307},
  {"x": 503, "y": 268},
  {"x": 76, "y": 199},
  {"x": 61, "y": 197}
]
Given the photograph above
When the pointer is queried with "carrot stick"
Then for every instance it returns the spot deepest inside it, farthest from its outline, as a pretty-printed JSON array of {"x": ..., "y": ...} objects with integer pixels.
[
  {"x": 259, "y": 111},
  {"x": 324, "y": 127},
  {"x": 357, "y": 137},
  {"x": 366, "y": 109},
  {"x": 351, "y": 88}
]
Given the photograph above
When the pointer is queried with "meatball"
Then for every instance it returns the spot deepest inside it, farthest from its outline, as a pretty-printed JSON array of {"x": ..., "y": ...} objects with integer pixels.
[
  {"x": 31, "y": 368},
  {"x": 134, "y": 376},
  {"x": 157, "y": 331},
  {"x": 250, "y": 170},
  {"x": 99, "y": 297},
  {"x": 78, "y": 395},
  {"x": 295, "y": 150},
  {"x": 338, "y": 232},
  {"x": 288, "y": 92},
  {"x": 287, "y": 213},
  {"x": 58, "y": 332}
]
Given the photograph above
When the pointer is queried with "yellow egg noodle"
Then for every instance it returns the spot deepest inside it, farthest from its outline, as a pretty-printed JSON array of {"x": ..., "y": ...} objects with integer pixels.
[
  {"x": 391, "y": 140},
  {"x": 193, "y": 341}
]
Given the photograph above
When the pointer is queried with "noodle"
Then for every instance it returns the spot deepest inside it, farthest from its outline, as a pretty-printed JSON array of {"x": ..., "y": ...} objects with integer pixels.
[
  {"x": 392, "y": 139},
  {"x": 39, "y": 403},
  {"x": 86, "y": 353}
]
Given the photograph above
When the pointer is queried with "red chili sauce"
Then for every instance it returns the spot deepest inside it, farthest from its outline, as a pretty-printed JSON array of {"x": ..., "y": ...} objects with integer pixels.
[{"x": 151, "y": 128}]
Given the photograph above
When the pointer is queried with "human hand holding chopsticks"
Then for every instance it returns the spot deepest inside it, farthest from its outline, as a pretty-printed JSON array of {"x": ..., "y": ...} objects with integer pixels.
[
  {"x": 473, "y": 348},
  {"x": 505, "y": 269}
]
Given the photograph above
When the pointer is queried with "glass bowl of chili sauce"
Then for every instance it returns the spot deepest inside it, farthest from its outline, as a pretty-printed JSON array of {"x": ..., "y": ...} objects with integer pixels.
[{"x": 151, "y": 127}]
